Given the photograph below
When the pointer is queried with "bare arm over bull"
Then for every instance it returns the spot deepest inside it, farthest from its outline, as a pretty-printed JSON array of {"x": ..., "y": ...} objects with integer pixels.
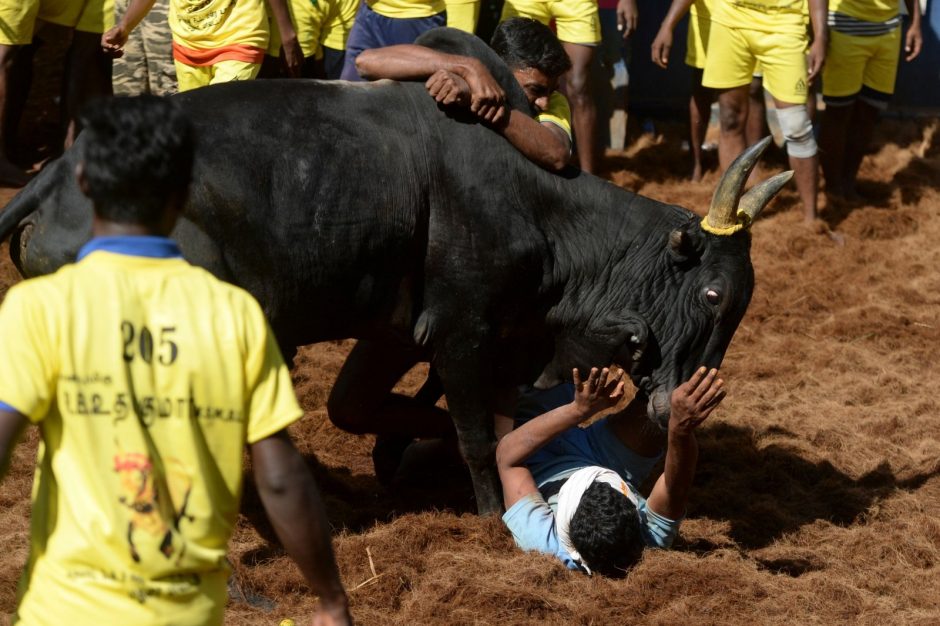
[
  {"x": 691, "y": 404},
  {"x": 413, "y": 62},
  {"x": 600, "y": 391},
  {"x": 464, "y": 81}
]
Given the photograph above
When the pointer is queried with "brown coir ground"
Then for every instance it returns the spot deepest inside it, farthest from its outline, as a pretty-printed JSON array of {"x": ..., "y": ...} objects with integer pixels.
[{"x": 817, "y": 498}]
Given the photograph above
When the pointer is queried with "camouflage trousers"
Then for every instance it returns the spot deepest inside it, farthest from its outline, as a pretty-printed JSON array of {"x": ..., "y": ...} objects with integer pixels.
[{"x": 147, "y": 64}]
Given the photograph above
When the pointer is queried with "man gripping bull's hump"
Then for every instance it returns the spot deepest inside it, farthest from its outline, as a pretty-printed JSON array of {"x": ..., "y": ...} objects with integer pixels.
[
  {"x": 440, "y": 243},
  {"x": 537, "y": 61}
]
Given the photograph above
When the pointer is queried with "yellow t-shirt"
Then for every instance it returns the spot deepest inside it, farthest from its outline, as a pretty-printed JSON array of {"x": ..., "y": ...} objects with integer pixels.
[
  {"x": 146, "y": 377},
  {"x": 407, "y": 8},
  {"x": 772, "y": 16},
  {"x": 867, "y": 10},
  {"x": 212, "y": 24},
  {"x": 558, "y": 112},
  {"x": 338, "y": 23}
]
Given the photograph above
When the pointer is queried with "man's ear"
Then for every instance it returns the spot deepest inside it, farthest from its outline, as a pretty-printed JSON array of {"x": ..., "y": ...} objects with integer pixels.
[{"x": 80, "y": 177}]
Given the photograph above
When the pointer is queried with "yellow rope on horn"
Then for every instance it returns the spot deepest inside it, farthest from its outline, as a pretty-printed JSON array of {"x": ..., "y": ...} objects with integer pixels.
[{"x": 744, "y": 221}]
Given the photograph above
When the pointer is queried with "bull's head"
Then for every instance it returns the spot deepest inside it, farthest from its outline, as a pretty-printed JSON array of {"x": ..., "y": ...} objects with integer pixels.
[{"x": 709, "y": 281}]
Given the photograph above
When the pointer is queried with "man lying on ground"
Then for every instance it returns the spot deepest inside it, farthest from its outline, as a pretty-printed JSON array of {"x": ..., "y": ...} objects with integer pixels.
[
  {"x": 537, "y": 60},
  {"x": 574, "y": 492},
  {"x": 147, "y": 378}
]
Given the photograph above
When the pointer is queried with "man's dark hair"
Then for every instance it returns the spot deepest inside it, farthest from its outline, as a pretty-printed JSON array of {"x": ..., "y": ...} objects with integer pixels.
[
  {"x": 605, "y": 529},
  {"x": 523, "y": 42},
  {"x": 137, "y": 154}
]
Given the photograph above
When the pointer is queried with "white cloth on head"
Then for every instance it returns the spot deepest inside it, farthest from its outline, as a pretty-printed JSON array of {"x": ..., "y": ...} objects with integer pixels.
[{"x": 569, "y": 497}]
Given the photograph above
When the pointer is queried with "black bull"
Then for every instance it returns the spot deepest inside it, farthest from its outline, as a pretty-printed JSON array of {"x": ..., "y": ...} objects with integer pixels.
[{"x": 366, "y": 211}]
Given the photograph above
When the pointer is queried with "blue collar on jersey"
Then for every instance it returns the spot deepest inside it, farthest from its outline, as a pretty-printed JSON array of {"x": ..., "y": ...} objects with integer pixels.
[{"x": 133, "y": 245}]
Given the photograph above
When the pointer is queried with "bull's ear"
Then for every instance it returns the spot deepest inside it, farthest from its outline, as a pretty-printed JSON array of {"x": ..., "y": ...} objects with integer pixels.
[{"x": 683, "y": 246}]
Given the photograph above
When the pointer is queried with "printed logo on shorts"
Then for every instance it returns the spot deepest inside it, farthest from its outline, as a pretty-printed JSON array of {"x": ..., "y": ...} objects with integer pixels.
[{"x": 801, "y": 86}]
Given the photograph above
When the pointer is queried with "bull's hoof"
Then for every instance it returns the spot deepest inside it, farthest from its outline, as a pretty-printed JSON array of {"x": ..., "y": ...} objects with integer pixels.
[{"x": 386, "y": 456}]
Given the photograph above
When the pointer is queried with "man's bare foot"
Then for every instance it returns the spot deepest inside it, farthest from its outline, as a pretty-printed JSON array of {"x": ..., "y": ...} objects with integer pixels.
[
  {"x": 820, "y": 227},
  {"x": 11, "y": 175}
]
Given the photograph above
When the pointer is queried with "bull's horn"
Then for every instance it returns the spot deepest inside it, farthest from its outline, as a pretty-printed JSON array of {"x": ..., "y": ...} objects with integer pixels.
[
  {"x": 722, "y": 216},
  {"x": 759, "y": 196}
]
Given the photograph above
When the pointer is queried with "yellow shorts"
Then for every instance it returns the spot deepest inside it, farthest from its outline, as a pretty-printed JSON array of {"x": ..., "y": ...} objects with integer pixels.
[
  {"x": 308, "y": 20},
  {"x": 577, "y": 21},
  {"x": 854, "y": 62},
  {"x": 697, "y": 41},
  {"x": 463, "y": 14},
  {"x": 97, "y": 16},
  {"x": 18, "y": 17},
  {"x": 733, "y": 55},
  {"x": 192, "y": 76}
]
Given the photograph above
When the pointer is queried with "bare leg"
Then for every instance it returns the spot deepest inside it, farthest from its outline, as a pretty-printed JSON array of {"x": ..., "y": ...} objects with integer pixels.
[
  {"x": 700, "y": 109},
  {"x": 732, "y": 109},
  {"x": 87, "y": 75},
  {"x": 864, "y": 119},
  {"x": 361, "y": 401},
  {"x": 832, "y": 137},
  {"x": 756, "y": 128},
  {"x": 12, "y": 94},
  {"x": 806, "y": 174},
  {"x": 584, "y": 112}
]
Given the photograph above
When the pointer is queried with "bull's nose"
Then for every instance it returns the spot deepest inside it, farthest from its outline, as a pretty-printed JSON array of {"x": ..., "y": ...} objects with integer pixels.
[{"x": 657, "y": 408}]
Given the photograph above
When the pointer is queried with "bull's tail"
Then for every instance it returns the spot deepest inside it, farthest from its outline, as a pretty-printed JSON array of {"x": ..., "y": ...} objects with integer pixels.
[{"x": 25, "y": 202}]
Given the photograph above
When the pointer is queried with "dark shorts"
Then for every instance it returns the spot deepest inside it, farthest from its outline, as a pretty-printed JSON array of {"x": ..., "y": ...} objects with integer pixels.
[
  {"x": 371, "y": 30},
  {"x": 333, "y": 62}
]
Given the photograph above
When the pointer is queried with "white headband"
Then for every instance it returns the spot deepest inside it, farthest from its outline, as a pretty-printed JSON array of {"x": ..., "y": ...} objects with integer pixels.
[{"x": 569, "y": 497}]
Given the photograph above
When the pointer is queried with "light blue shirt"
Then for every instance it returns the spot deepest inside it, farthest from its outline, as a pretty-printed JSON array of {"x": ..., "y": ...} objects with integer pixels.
[{"x": 531, "y": 520}]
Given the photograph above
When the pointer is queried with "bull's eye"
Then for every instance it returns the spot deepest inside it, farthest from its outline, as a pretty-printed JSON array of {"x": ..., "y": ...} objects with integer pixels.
[{"x": 712, "y": 296}]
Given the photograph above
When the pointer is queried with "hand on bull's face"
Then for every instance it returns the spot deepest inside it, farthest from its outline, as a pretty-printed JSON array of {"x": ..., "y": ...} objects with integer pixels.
[
  {"x": 600, "y": 391},
  {"x": 694, "y": 400}
]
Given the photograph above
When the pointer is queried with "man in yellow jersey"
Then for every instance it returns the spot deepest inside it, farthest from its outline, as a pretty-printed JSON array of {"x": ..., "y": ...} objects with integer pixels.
[
  {"x": 215, "y": 41},
  {"x": 87, "y": 69},
  {"x": 861, "y": 67},
  {"x": 322, "y": 29},
  {"x": 700, "y": 102},
  {"x": 381, "y": 23},
  {"x": 536, "y": 59},
  {"x": 579, "y": 30},
  {"x": 147, "y": 377},
  {"x": 774, "y": 34}
]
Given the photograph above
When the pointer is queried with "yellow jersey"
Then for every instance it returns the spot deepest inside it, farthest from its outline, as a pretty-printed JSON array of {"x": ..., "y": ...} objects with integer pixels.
[
  {"x": 771, "y": 16},
  {"x": 557, "y": 113},
  {"x": 146, "y": 376},
  {"x": 407, "y": 8},
  {"x": 339, "y": 22},
  {"x": 234, "y": 27}
]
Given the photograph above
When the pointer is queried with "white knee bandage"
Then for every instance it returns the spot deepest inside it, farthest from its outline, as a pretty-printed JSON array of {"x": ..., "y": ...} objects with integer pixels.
[{"x": 798, "y": 131}]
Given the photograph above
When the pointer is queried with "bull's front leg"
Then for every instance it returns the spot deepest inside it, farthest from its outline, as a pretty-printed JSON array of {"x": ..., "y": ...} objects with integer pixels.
[{"x": 465, "y": 371}]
